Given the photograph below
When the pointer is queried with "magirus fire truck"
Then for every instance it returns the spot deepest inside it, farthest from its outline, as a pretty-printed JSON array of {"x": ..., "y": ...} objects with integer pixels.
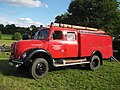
[{"x": 61, "y": 45}]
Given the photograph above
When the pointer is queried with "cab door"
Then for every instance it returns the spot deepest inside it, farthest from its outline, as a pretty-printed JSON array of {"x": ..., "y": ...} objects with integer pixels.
[
  {"x": 71, "y": 44},
  {"x": 56, "y": 44}
]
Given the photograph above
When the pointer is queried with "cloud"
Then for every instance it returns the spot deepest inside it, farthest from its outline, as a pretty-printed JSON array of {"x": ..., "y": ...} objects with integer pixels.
[
  {"x": 25, "y": 19},
  {"x": 26, "y": 3},
  {"x": 10, "y": 22},
  {"x": 21, "y": 22},
  {"x": 27, "y": 22},
  {"x": 45, "y": 5},
  {"x": 4, "y": 19}
]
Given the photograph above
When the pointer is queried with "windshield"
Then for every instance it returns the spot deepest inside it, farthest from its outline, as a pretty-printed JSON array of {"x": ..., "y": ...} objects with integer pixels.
[{"x": 41, "y": 34}]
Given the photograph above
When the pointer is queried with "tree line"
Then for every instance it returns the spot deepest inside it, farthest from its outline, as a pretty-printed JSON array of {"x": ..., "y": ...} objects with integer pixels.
[
  {"x": 17, "y": 32},
  {"x": 102, "y": 14},
  {"x": 11, "y": 29}
]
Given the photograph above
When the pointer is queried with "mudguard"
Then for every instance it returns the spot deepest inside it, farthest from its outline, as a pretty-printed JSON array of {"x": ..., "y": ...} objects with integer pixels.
[
  {"x": 31, "y": 52},
  {"x": 98, "y": 53}
]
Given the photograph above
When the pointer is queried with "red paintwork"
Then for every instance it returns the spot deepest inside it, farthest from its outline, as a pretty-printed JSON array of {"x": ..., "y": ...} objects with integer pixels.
[
  {"x": 85, "y": 44},
  {"x": 24, "y": 45},
  {"x": 91, "y": 42}
]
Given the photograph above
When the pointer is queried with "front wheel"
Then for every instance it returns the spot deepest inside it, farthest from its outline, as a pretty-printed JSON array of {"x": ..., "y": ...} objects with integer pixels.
[
  {"x": 39, "y": 68},
  {"x": 94, "y": 63}
]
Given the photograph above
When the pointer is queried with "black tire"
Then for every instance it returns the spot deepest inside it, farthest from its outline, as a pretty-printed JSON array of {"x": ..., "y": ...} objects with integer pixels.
[
  {"x": 94, "y": 63},
  {"x": 39, "y": 68}
]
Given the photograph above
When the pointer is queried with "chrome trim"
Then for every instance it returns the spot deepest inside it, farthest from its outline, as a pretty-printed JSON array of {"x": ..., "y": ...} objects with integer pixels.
[{"x": 14, "y": 61}]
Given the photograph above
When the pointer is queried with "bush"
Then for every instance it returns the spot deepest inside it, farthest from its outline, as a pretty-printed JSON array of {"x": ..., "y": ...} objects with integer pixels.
[
  {"x": 0, "y": 34},
  {"x": 17, "y": 36}
]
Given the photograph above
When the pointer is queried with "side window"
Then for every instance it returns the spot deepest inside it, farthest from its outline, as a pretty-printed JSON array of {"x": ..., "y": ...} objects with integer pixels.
[
  {"x": 57, "y": 35},
  {"x": 71, "y": 36}
]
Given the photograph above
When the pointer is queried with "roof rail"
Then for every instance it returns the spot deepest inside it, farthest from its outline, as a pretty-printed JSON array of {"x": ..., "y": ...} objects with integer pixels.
[{"x": 75, "y": 27}]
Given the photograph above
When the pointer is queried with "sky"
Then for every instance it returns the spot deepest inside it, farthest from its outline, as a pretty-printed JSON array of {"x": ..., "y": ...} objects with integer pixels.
[{"x": 25, "y": 13}]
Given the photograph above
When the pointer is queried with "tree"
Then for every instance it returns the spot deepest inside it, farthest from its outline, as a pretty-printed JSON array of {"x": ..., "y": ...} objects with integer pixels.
[
  {"x": 34, "y": 29},
  {"x": 10, "y": 29},
  {"x": 17, "y": 36},
  {"x": 22, "y": 30},
  {"x": 62, "y": 18},
  {"x": 103, "y": 14},
  {"x": 2, "y": 28},
  {"x": 0, "y": 34}
]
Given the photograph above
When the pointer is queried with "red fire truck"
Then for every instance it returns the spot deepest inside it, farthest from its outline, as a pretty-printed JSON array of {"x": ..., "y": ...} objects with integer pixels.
[{"x": 61, "y": 45}]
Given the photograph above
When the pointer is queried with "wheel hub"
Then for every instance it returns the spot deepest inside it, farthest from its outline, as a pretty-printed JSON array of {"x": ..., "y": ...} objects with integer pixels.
[{"x": 40, "y": 68}]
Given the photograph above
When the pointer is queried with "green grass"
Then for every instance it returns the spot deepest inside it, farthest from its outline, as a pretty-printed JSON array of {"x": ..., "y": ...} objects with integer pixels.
[
  {"x": 6, "y": 37},
  {"x": 107, "y": 77},
  {"x": 6, "y": 42}
]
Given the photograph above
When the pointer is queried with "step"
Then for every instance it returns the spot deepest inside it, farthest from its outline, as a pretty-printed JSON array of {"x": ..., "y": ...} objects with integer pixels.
[
  {"x": 73, "y": 61},
  {"x": 59, "y": 63}
]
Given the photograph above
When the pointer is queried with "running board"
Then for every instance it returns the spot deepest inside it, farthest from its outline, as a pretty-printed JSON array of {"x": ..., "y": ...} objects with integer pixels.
[{"x": 70, "y": 62}]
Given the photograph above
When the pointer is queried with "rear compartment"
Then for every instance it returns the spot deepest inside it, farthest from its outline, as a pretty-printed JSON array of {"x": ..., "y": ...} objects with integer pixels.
[{"x": 91, "y": 41}]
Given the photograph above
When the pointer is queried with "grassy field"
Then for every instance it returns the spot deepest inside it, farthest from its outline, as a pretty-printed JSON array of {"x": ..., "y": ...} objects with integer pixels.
[
  {"x": 6, "y": 37},
  {"x": 107, "y": 77},
  {"x": 6, "y": 42}
]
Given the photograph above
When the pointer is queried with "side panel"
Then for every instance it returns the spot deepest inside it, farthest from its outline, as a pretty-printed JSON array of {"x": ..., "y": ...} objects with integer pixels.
[
  {"x": 85, "y": 47},
  {"x": 56, "y": 48},
  {"x": 91, "y": 42}
]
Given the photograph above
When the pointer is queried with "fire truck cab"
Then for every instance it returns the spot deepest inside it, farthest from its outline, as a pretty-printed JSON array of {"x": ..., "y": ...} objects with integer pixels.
[{"x": 61, "y": 45}]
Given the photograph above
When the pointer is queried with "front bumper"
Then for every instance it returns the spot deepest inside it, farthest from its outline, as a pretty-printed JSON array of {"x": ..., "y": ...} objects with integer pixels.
[{"x": 15, "y": 63}]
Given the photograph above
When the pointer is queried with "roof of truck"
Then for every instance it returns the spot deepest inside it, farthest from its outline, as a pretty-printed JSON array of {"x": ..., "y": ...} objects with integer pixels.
[{"x": 81, "y": 29}]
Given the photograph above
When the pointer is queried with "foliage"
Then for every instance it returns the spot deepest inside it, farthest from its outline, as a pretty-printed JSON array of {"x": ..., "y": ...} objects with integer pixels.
[
  {"x": 34, "y": 29},
  {"x": 62, "y": 18},
  {"x": 0, "y": 34},
  {"x": 11, "y": 29},
  {"x": 17, "y": 36},
  {"x": 103, "y": 14},
  {"x": 1, "y": 28}
]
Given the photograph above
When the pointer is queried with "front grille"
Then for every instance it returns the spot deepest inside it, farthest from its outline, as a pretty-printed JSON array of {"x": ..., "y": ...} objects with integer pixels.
[{"x": 13, "y": 50}]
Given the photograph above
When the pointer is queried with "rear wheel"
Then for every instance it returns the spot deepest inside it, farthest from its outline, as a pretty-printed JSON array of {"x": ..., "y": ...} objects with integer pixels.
[
  {"x": 39, "y": 68},
  {"x": 94, "y": 63}
]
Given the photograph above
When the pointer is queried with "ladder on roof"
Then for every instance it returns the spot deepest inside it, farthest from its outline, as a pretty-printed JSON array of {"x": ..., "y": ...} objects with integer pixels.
[{"x": 75, "y": 27}]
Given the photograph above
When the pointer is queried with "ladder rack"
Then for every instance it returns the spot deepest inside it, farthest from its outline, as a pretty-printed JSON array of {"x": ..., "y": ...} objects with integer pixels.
[{"x": 75, "y": 27}]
